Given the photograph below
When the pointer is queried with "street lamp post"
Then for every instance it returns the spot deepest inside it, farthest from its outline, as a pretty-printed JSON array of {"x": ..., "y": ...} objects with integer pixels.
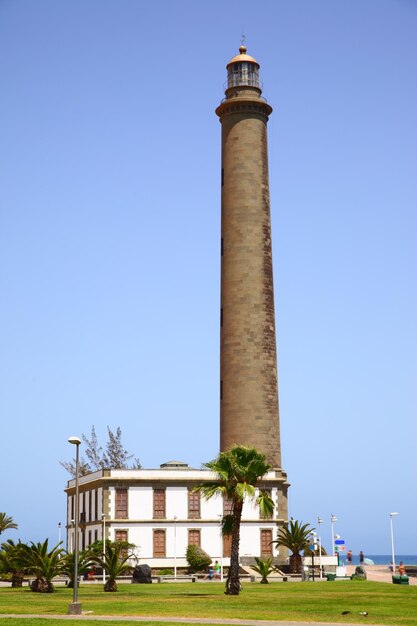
[
  {"x": 75, "y": 607},
  {"x": 320, "y": 521},
  {"x": 333, "y": 519},
  {"x": 221, "y": 547},
  {"x": 59, "y": 533},
  {"x": 70, "y": 537},
  {"x": 391, "y": 515},
  {"x": 103, "y": 517},
  {"x": 313, "y": 536},
  {"x": 175, "y": 547}
]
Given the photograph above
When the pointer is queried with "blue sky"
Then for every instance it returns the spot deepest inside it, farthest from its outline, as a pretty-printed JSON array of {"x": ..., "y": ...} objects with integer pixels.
[{"x": 110, "y": 231}]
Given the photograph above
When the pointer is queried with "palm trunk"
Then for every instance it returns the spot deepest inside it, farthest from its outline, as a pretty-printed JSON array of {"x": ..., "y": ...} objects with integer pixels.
[
  {"x": 17, "y": 580},
  {"x": 233, "y": 582},
  {"x": 295, "y": 563},
  {"x": 110, "y": 585},
  {"x": 41, "y": 585}
]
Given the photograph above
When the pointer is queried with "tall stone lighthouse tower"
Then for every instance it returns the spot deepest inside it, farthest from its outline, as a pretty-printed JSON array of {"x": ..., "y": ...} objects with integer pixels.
[{"x": 249, "y": 412}]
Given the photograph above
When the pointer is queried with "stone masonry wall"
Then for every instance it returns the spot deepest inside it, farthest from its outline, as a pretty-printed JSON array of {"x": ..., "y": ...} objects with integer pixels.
[{"x": 249, "y": 386}]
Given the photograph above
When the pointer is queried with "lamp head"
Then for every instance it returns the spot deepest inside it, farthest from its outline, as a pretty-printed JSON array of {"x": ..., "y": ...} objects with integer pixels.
[
  {"x": 76, "y": 441},
  {"x": 392, "y": 514}
]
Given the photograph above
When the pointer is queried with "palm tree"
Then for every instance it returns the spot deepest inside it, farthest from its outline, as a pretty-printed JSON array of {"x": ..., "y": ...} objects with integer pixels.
[
  {"x": 264, "y": 568},
  {"x": 85, "y": 562},
  {"x": 43, "y": 563},
  {"x": 237, "y": 471},
  {"x": 11, "y": 561},
  {"x": 6, "y": 522},
  {"x": 295, "y": 537},
  {"x": 115, "y": 563}
]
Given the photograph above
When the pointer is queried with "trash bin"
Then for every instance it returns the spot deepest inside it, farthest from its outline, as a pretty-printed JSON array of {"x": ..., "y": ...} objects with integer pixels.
[
  {"x": 400, "y": 580},
  {"x": 331, "y": 576}
]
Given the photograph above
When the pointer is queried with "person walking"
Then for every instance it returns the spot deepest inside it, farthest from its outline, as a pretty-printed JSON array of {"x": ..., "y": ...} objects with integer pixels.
[
  {"x": 349, "y": 557},
  {"x": 361, "y": 557}
]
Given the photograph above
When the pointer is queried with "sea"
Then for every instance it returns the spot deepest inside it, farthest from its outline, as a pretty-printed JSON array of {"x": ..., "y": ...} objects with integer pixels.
[{"x": 384, "y": 559}]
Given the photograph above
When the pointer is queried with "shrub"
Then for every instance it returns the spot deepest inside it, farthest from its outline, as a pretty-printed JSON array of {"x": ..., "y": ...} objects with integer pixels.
[
  {"x": 197, "y": 559},
  {"x": 264, "y": 567}
]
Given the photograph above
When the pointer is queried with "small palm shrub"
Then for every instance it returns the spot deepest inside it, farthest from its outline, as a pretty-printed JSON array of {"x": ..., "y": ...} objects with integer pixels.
[
  {"x": 85, "y": 563},
  {"x": 11, "y": 562},
  {"x": 43, "y": 563},
  {"x": 116, "y": 563},
  {"x": 264, "y": 568}
]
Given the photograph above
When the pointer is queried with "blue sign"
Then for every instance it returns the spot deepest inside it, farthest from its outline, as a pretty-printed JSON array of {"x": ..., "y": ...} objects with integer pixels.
[{"x": 340, "y": 542}]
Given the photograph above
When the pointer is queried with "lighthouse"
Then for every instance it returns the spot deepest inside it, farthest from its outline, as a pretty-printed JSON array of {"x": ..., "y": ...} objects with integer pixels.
[{"x": 249, "y": 412}]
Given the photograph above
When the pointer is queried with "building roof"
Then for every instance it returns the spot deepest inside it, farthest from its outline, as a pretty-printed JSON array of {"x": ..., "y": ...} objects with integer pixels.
[
  {"x": 242, "y": 56},
  {"x": 171, "y": 464}
]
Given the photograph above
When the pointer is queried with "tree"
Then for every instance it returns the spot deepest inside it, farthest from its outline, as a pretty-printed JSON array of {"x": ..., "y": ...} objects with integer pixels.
[
  {"x": 12, "y": 562},
  {"x": 42, "y": 563},
  {"x": 115, "y": 563},
  {"x": 115, "y": 456},
  {"x": 6, "y": 523},
  {"x": 264, "y": 568},
  {"x": 237, "y": 471},
  {"x": 295, "y": 537},
  {"x": 94, "y": 451}
]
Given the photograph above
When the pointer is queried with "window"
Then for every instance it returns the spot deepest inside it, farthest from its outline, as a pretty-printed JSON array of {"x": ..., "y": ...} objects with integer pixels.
[
  {"x": 72, "y": 509},
  {"x": 96, "y": 507},
  {"x": 90, "y": 507},
  {"x": 261, "y": 516},
  {"x": 227, "y": 506},
  {"x": 227, "y": 545},
  {"x": 266, "y": 546},
  {"x": 121, "y": 504},
  {"x": 194, "y": 537},
  {"x": 159, "y": 503},
  {"x": 159, "y": 543},
  {"x": 121, "y": 535},
  {"x": 193, "y": 505}
]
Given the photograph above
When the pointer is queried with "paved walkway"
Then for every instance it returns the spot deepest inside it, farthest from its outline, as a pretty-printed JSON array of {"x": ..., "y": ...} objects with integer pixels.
[
  {"x": 378, "y": 573},
  {"x": 182, "y": 620}
]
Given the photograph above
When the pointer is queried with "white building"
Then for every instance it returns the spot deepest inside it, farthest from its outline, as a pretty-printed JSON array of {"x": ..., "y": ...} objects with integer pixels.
[{"x": 158, "y": 512}]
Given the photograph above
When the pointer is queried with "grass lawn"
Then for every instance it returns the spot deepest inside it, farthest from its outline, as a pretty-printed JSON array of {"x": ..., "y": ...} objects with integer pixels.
[{"x": 321, "y": 601}]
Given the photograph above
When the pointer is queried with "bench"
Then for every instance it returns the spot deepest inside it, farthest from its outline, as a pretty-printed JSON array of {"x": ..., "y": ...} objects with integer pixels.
[{"x": 180, "y": 577}]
